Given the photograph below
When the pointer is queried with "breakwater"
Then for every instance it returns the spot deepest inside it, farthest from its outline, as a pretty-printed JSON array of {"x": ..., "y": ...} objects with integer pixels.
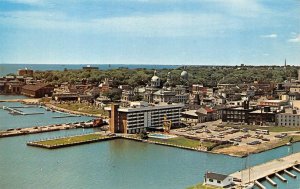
[{"x": 42, "y": 129}]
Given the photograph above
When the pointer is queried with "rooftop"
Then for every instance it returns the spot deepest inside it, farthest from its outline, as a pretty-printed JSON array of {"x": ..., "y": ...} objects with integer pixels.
[{"x": 215, "y": 176}]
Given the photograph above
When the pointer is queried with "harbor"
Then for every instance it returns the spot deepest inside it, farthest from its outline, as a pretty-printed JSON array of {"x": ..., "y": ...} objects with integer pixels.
[
  {"x": 47, "y": 128},
  {"x": 71, "y": 141},
  {"x": 15, "y": 111},
  {"x": 280, "y": 168}
]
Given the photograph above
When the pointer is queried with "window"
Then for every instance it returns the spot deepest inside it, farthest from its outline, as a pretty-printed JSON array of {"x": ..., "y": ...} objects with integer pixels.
[
  {"x": 219, "y": 182},
  {"x": 211, "y": 180}
]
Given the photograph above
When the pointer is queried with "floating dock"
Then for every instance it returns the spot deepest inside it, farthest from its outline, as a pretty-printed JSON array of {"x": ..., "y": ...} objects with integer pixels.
[{"x": 266, "y": 171}]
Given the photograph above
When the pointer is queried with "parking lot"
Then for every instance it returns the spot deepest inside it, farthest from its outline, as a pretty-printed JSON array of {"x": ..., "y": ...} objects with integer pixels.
[{"x": 218, "y": 131}]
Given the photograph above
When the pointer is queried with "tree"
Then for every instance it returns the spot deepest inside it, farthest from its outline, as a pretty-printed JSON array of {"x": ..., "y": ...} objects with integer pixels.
[
  {"x": 113, "y": 94},
  {"x": 144, "y": 135}
]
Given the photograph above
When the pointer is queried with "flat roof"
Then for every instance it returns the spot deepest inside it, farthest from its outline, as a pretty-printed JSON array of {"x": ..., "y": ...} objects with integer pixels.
[
  {"x": 259, "y": 111},
  {"x": 137, "y": 109},
  {"x": 274, "y": 101}
]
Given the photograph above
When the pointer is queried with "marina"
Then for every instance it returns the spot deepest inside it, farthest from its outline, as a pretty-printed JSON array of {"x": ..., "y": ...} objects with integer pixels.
[
  {"x": 197, "y": 161},
  {"x": 71, "y": 141},
  {"x": 108, "y": 159},
  {"x": 268, "y": 170},
  {"x": 9, "y": 121},
  {"x": 14, "y": 110},
  {"x": 41, "y": 129}
]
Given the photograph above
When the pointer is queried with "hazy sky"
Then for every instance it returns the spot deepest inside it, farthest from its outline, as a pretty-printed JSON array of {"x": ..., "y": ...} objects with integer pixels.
[{"x": 204, "y": 32}]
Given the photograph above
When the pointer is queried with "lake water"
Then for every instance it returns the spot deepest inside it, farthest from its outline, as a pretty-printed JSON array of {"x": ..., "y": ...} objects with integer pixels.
[
  {"x": 118, "y": 164},
  {"x": 13, "y": 68},
  {"x": 22, "y": 121},
  {"x": 114, "y": 164}
]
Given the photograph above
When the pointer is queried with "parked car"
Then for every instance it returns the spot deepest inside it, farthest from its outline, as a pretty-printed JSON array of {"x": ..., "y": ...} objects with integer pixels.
[{"x": 254, "y": 142}]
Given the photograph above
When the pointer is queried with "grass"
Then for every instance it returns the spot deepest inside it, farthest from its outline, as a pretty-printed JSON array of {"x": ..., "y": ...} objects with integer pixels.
[
  {"x": 82, "y": 107},
  {"x": 70, "y": 140},
  {"x": 182, "y": 141},
  {"x": 270, "y": 128},
  {"x": 246, "y": 150},
  {"x": 270, "y": 145},
  {"x": 201, "y": 186}
]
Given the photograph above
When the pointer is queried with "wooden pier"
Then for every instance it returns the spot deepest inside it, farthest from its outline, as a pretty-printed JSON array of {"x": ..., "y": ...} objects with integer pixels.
[{"x": 269, "y": 169}]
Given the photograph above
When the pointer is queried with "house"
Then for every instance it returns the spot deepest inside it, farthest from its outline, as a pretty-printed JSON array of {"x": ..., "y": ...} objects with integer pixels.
[
  {"x": 218, "y": 180},
  {"x": 23, "y": 72},
  {"x": 38, "y": 90},
  {"x": 205, "y": 114},
  {"x": 190, "y": 116}
]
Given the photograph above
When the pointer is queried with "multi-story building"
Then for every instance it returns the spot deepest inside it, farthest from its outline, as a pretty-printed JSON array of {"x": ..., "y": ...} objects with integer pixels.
[
  {"x": 263, "y": 116},
  {"x": 167, "y": 94},
  {"x": 273, "y": 104},
  {"x": 288, "y": 118},
  {"x": 38, "y": 90},
  {"x": 237, "y": 114},
  {"x": 23, "y": 72},
  {"x": 140, "y": 116}
]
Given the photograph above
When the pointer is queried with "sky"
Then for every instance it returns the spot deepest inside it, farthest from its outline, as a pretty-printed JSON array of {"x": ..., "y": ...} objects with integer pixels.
[{"x": 175, "y": 32}]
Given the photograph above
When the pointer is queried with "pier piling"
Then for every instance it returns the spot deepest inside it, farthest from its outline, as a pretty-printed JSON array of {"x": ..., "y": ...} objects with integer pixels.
[
  {"x": 296, "y": 169},
  {"x": 271, "y": 181},
  {"x": 290, "y": 174},
  {"x": 280, "y": 177},
  {"x": 259, "y": 185}
]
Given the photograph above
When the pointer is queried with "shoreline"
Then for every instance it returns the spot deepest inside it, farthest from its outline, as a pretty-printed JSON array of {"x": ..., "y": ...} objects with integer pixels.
[
  {"x": 128, "y": 137},
  {"x": 218, "y": 151}
]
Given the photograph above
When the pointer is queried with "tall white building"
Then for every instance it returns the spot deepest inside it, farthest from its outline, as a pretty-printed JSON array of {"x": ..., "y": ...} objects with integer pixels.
[
  {"x": 289, "y": 118},
  {"x": 140, "y": 116}
]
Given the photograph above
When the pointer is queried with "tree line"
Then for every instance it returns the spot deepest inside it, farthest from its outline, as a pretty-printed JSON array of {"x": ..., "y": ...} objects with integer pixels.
[{"x": 208, "y": 76}]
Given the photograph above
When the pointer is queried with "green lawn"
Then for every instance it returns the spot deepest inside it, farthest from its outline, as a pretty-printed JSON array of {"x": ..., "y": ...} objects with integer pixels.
[
  {"x": 82, "y": 107},
  {"x": 70, "y": 140},
  {"x": 200, "y": 186},
  {"x": 182, "y": 141}
]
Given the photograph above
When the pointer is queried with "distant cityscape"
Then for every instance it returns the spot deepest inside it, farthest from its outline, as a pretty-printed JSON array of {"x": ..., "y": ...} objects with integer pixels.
[{"x": 235, "y": 119}]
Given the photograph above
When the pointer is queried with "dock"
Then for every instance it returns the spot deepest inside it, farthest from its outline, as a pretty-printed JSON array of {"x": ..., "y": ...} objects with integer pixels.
[
  {"x": 266, "y": 171},
  {"x": 41, "y": 129},
  {"x": 71, "y": 141},
  {"x": 14, "y": 110}
]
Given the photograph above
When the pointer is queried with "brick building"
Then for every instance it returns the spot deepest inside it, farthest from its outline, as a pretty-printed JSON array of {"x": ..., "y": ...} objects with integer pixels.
[{"x": 38, "y": 90}]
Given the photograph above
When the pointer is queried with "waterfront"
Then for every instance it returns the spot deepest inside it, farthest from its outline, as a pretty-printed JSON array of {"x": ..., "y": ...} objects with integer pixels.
[
  {"x": 21, "y": 121},
  {"x": 104, "y": 164},
  {"x": 113, "y": 164}
]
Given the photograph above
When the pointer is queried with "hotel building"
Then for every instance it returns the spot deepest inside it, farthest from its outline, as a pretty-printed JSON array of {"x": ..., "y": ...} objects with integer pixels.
[{"x": 140, "y": 116}]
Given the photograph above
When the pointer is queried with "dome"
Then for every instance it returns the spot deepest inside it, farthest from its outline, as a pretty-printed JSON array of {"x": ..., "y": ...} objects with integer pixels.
[
  {"x": 155, "y": 78},
  {"x": 184, "y": 75}
]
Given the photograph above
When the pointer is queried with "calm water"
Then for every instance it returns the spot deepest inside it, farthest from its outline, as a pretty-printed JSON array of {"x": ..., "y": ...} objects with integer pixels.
[
  {"x": 114, "y": 164},
  {"x": 21, "y": 121},
  {"x": 13, "y": 68}
]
